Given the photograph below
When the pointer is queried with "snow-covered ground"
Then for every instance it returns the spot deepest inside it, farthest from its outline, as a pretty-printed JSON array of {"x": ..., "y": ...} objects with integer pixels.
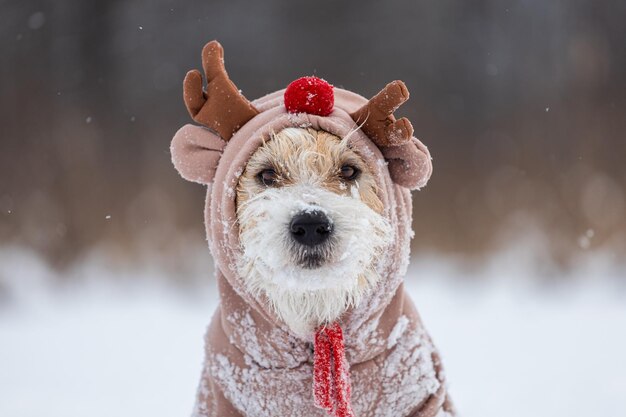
[{"x": 512, "y": 345}]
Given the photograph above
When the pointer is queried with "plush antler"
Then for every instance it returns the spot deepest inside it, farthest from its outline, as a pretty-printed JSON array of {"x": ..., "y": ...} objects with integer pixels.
[
  {"x": 221, "y": 107},
  {"x": 377, "y": 120}
]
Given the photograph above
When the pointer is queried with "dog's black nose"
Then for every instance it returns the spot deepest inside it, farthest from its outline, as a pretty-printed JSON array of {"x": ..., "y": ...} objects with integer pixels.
[{"x": 310, "y": 228}]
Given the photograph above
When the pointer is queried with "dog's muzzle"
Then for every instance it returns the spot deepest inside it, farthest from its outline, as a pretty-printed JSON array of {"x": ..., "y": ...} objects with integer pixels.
[
  {"x": 311, "y": 232},
  {"x": 311, "y": 228}
]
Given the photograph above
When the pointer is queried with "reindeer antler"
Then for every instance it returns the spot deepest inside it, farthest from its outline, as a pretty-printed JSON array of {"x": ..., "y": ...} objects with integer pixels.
[
  {"x": 377, "y": 117},
  {"x": 221, "y": 107}
]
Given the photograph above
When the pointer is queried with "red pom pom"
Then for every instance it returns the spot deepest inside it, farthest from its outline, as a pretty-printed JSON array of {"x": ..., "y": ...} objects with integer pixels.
[{"x": 310, "y": 95}]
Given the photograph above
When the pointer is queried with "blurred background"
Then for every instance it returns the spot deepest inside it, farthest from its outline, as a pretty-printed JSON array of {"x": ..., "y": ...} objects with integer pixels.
[{"x": 521, "y": 103}]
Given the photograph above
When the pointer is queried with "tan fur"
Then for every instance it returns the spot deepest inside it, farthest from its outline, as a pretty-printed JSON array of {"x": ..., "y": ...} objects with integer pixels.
[{"x": 308, "y": 156}]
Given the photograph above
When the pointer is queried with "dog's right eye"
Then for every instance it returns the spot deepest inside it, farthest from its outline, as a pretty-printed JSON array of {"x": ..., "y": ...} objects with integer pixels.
[{"x": 268, "y": 177}]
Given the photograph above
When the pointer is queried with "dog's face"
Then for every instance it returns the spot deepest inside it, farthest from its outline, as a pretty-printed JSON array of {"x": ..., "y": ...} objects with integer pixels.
[{"x": 310, "y": 226}]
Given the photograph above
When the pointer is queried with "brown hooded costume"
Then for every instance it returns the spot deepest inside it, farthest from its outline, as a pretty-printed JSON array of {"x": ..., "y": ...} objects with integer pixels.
[{"x": 254, "y": 365}]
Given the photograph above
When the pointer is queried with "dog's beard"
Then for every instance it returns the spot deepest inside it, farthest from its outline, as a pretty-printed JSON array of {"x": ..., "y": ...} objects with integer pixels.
[{"x": 309, "y": 286}]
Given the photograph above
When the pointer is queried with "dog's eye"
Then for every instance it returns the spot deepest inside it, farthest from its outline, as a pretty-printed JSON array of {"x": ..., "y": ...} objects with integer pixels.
[
  {"x": 349, "y": 172},
  {"x": 267, "y": 177}
]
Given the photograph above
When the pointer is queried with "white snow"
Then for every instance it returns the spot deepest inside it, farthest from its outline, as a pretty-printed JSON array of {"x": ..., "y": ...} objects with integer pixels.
[
  {"x": 512, "y": 345},
  {"x": 397, "y": 331},
  {"x": 36, "y": 20}
]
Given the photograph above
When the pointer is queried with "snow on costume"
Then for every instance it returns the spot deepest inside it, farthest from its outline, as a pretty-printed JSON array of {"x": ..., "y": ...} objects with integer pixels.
[{"x": 377, "y": 360}]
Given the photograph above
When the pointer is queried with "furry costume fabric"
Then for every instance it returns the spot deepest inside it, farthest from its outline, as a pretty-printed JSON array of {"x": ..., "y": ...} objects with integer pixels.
[{"x": 254, "y": 365}]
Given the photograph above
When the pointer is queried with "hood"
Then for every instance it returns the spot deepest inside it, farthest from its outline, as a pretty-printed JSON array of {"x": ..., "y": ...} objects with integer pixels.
[{"x": 209, "y": 157}]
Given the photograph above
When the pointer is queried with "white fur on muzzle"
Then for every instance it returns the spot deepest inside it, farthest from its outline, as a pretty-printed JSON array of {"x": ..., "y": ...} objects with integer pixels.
[{"x": 307, "y": 297}]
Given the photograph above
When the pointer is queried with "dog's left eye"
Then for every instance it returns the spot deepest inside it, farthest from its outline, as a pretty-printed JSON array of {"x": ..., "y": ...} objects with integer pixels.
[
  {"x": 349, "y": 172},
  {"x": 268, "y": 177}
]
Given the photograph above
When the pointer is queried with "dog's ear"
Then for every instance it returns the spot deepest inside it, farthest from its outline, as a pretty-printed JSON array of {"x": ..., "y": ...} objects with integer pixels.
[
  {"x": 410, "y": 164},
  {"x": 196, "y": 152}
]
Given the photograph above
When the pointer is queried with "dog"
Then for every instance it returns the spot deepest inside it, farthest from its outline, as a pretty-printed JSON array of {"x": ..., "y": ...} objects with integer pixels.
[
  {"x": 308, "y": 217},
  {"x": 313, "y": 199}
]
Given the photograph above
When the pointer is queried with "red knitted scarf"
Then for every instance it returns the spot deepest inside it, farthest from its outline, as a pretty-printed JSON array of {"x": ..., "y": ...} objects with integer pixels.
[{"x": 331, "y": 376}]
